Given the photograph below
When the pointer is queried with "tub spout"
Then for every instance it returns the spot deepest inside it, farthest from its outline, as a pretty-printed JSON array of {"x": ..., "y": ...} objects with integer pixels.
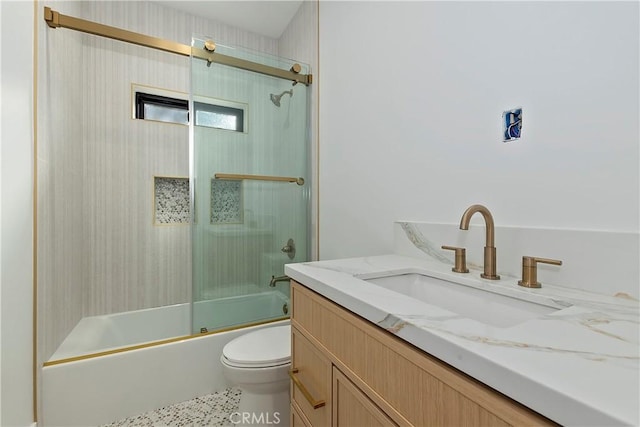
[
  {"x": 275, "y": 280},
  {"x": 489, "y": 247}
]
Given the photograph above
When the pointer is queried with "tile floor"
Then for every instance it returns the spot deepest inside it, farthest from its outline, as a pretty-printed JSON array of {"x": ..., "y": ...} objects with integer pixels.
[{"x": 210, "y": 410}]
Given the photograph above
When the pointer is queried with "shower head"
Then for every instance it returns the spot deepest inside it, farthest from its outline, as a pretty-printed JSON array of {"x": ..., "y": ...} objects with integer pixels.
[{"x": 276, "y": 98}]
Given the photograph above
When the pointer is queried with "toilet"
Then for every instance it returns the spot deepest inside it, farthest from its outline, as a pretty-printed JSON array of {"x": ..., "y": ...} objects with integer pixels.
[{"x": 258, "y": 363}]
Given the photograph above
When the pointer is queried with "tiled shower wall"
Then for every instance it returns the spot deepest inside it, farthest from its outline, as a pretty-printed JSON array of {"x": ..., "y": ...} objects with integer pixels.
[
  {"x": 60, "y": 184},
  {"x": 99, "y": 251},
  {"x": 300, "y": 41}
]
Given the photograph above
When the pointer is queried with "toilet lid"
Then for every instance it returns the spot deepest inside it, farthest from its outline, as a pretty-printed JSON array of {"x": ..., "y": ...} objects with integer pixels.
[{"x": 261, "y": 348}]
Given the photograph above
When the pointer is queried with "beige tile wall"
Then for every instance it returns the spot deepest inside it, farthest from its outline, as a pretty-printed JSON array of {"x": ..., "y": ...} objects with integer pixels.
[{"x": 300, "y": 42}]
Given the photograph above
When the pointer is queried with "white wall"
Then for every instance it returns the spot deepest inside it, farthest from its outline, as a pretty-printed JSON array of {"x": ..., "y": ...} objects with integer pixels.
[
  {"x": 410, "y": 113},
  {"x": 16, "y": 135}
]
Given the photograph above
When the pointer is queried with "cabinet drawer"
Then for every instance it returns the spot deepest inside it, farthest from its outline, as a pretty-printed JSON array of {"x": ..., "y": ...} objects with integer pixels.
[
  {"x": 297, "y": 419},
  {"x": 351, "y": 407},
  {"x": 311, "y": 380}
]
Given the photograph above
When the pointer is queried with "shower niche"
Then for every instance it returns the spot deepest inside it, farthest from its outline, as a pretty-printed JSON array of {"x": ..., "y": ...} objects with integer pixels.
[
  {"x": 226, "y": 202},
  {"x": 171, "y": 200}
]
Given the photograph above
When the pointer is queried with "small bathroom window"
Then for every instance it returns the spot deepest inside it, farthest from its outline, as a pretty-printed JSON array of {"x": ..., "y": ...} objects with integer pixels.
[
  {"x": 219, "y": 116},
  {"x": 173, "y": 107}
]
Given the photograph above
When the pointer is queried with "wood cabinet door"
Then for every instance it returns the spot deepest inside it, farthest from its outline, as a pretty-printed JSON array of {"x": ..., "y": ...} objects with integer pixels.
[
  {"x": 297, "y": 419},
  {"x": 352, "y": 408}
]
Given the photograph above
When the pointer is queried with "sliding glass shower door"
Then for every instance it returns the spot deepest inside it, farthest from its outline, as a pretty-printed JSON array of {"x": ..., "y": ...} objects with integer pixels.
[{"x": 249, "y": 163}]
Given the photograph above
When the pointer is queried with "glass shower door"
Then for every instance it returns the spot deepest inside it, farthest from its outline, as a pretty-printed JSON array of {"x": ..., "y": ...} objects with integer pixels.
[{"x": 249, "y": 162}]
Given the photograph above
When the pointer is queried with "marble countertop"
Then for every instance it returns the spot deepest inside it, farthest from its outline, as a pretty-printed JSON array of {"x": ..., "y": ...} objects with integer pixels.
[{"x": 578, "y": 366}]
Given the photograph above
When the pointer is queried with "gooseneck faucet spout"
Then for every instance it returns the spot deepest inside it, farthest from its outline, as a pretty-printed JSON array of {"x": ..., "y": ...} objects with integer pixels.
[{"x": 489, "y": 247}]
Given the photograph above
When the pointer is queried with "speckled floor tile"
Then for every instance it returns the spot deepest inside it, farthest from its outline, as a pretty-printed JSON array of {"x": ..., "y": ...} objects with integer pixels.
[{"x": 210, "y": 410}]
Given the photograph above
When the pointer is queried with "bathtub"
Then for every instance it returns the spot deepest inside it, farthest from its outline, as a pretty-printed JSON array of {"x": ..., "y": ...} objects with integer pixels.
[
  {"x": 97, "y": 334},
  {"x": 86, "y": 391}
]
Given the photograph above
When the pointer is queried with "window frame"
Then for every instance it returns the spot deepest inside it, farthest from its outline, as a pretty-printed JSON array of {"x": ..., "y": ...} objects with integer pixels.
[
  {"x": 143, "y": 98},
  {"x": 141, "y": 95}
]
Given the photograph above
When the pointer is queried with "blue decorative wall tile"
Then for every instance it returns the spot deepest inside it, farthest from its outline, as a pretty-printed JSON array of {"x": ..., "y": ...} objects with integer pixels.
[
  {"x": 512, "y": 124},
  {"x": 171, "y": 200},
  {"x": 226, "y": 201}
]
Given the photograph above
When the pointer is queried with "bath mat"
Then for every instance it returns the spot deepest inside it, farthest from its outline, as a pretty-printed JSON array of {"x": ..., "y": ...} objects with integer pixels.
[{"x": 210, "y": 410}]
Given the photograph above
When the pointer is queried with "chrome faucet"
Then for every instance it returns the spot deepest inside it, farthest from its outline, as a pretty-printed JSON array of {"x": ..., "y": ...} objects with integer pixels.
[
  {"x": 275, "y": 280},
  {"x": 489, "y": 248}
]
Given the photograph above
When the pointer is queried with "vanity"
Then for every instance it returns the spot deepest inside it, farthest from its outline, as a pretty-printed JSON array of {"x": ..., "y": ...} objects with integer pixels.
[
  {"x": 401, "y": 339},
  {"x": 364, "y": 376}
]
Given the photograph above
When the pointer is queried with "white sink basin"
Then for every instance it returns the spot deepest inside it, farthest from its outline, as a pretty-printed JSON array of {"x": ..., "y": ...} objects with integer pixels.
[{"x": 483, "y": 306}]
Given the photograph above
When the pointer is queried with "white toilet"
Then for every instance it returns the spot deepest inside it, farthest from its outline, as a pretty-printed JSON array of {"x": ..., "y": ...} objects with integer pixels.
[{"x": 258, "y": 363}]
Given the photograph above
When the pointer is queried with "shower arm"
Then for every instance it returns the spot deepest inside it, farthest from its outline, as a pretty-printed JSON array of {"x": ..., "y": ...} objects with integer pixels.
[{"x": 56, "y": 20}]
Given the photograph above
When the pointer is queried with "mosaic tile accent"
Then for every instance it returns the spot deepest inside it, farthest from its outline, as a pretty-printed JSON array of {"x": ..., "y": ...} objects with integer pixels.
[
  {"x": 226, "y": 201},
  {"x": 210, "y": 410},
  {"x": 171, "y": 200}
]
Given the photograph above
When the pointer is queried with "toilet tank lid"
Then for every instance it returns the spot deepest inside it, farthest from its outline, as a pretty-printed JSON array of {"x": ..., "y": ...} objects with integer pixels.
[{"x": 266, "y": 346}]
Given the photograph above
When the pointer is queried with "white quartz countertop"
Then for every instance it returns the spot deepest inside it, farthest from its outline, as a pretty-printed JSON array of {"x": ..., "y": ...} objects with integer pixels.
[{"x": 578, "y": 366}]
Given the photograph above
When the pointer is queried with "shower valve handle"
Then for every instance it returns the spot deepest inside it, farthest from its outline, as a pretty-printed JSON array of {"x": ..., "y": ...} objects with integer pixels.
[{"x": 289, "y": 249}]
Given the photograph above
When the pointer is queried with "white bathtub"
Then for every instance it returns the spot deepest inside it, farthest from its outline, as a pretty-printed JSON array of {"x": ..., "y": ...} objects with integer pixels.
[
  {"x": 231, "y": 311},
  {"x": 98, "y": 390},
  {"x": 103, "y": 333}
]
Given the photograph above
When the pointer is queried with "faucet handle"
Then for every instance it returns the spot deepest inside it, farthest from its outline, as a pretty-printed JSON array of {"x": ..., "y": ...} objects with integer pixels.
[
  {"x": 461, "y": 259},
  {"x": 530, "y": 270},
  {"x": 289, "y": 249}
]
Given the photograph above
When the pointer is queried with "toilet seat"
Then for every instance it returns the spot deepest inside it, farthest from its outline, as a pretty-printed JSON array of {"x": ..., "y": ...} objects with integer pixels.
[{"x": 263, "y": 348}]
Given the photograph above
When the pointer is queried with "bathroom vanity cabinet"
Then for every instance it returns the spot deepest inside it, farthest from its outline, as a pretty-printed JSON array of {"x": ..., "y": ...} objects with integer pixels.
[{"x": 357, "y": 374}]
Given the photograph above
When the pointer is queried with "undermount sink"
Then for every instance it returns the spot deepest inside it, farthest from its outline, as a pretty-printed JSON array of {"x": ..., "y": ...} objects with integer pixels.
[{"x": 483, "y": 306}]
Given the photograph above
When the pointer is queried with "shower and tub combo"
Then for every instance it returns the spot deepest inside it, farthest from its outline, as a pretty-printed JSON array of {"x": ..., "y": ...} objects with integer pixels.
[
  {"x": 100, "y": 390},
  {"x": 147, "y": 359},
  {"x": 143, "y": 313}
]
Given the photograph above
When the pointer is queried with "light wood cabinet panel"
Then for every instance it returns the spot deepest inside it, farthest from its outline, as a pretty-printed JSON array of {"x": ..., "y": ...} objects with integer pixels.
[
  {"x": 313, "y": 374},
  {"x": 409, "y": 385},
  {"x": 351, "y": 407},
  {"x": 297, "y": 418}
]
